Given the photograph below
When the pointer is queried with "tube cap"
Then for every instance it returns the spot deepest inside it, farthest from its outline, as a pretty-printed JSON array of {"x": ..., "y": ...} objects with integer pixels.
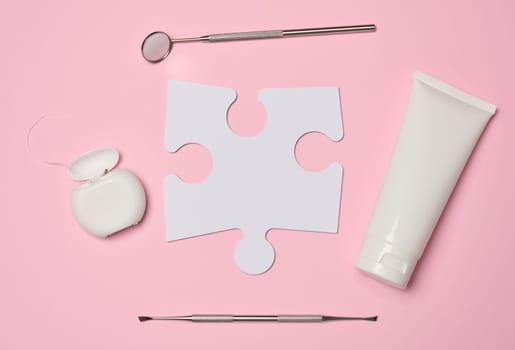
[{"x": 386, "y": 262}]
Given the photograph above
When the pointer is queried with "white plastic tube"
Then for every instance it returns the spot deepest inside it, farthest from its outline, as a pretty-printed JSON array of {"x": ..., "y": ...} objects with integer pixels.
[{"x": 440, "y": 130}]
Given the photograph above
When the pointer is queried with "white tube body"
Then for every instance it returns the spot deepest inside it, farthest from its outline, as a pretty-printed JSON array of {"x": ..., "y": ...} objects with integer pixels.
[{"x": 439, "y": 132}]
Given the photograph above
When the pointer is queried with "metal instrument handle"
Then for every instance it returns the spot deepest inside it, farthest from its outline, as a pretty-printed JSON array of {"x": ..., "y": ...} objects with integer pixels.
[
  {"x": 330, "y": 30},
  {"x": 300, "y": 318},
  {"x": 211, "y": 318},
  {"x": 265, "y": 34},
  {"x": 256, "y": 318}
]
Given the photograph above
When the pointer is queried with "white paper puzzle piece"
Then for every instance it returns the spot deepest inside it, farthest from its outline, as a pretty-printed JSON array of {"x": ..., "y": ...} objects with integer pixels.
[{"x": 255, "y": 183}]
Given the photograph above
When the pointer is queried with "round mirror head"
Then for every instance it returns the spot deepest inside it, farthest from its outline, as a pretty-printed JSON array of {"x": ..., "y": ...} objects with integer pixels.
[{"x": 156, "y": 47}]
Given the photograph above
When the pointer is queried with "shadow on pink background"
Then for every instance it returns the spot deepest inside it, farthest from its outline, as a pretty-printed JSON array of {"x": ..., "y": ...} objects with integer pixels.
[{"x": 64, "y": 289}]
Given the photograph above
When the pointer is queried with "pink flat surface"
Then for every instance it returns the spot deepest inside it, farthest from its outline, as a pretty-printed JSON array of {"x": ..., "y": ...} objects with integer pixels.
[{"x": 64, "y": 289}]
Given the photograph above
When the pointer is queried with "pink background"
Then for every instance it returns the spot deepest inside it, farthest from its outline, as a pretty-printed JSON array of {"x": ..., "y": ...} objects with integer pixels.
[{"x": 64, "y": 289}]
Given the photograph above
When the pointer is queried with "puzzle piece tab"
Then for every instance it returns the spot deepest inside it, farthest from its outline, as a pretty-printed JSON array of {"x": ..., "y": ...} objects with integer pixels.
[{"x": 255, "y": 183}]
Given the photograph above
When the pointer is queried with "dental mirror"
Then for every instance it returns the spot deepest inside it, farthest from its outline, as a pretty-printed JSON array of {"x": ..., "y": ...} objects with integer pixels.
[{"x": 158, "y": 45}]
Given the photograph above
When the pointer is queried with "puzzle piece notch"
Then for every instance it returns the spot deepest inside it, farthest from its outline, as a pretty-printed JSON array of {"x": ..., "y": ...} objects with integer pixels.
[
  {"x": 247, "y": 117},
  {"x": 315, "y": 151},
  {"x": 256, "y": 183}
]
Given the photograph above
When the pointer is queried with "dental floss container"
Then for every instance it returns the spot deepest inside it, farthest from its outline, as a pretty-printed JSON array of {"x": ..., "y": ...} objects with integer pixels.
[{"x": 108, "y": 200}]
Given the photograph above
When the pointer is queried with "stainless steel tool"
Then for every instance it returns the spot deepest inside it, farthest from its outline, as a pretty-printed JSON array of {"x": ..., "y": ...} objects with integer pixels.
[
  {"x": 158, "y": 45},
  {"x": 256, "y": 318}
]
